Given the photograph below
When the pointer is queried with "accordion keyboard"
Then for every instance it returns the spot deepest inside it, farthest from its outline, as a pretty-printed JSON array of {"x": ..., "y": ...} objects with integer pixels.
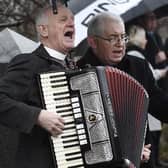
[{"x": 67, "y": 146}]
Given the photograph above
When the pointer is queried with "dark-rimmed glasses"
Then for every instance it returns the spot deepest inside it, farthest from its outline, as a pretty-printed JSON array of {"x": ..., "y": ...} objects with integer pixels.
[{"x": 115, "y": 38}]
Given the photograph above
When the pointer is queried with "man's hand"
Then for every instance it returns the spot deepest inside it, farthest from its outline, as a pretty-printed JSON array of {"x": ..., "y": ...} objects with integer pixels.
[
  {"x": 160, "y": 57},
  {"x": 51, "y": 121},
  {"x": 145, "y": 156}
]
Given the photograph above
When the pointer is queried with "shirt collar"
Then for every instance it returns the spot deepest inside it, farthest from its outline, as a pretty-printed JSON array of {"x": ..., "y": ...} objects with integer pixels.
[{"x": 55, "y": 54}]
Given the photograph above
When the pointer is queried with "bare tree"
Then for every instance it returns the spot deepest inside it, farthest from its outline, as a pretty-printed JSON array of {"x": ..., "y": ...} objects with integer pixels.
[{"x": 19, "y": 14}]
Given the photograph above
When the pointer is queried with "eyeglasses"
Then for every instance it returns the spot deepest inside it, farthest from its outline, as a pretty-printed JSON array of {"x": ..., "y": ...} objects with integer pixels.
[{"x": 115, "y": 38}]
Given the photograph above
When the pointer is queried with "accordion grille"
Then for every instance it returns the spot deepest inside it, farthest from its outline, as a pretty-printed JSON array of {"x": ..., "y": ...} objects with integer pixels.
[{"x": 129, "y": 102}]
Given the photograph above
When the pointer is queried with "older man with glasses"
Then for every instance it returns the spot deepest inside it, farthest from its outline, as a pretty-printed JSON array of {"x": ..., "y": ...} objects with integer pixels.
[{"x": 107, "y": 41}]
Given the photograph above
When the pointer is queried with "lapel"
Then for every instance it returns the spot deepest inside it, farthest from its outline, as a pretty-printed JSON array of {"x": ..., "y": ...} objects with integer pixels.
[{"x": 42, "y": 53}]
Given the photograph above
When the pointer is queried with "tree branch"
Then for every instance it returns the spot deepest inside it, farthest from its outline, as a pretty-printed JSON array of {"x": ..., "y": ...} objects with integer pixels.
[{"x": 14, "y": 24}]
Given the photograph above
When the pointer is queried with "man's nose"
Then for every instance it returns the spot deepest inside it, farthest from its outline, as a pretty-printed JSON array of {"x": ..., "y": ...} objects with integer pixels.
[{"x": 71, "y": 22}]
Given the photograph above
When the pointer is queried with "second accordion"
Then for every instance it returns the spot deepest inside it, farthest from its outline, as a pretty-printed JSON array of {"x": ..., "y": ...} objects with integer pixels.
[{"x": 105, "y": 112}]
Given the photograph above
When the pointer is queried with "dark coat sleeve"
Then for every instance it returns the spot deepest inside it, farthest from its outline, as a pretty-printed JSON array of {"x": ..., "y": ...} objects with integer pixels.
[{"x": 14, "y": 90}]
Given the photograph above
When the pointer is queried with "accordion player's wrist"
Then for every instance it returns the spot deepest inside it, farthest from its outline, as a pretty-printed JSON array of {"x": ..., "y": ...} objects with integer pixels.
[{"x": 40, "y": 117}]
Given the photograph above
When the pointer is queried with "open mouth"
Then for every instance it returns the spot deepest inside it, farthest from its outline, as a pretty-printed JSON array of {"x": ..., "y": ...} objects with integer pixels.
[
  {"x": 69, "y": 34},
  {"x": 117, "y": 51}
]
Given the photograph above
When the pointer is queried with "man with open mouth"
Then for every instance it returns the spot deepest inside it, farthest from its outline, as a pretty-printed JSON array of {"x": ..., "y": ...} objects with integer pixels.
[{"x": 21, "y": 107}]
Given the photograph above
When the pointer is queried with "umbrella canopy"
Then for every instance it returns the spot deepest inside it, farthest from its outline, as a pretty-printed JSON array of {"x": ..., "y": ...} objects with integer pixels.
[
  {"x": 161, "y": 7},
  {"x": 12, "y": 43},
  {"x": 128, "y": 9}
]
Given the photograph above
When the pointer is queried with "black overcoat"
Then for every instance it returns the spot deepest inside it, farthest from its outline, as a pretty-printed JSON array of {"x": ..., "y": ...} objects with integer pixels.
[{"x": 20, "y": 105}]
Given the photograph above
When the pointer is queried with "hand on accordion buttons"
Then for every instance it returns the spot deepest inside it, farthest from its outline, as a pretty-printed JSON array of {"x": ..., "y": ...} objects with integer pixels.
[
  {"x": 51, "y": 121},
  {"x": 145, "y": 156}
]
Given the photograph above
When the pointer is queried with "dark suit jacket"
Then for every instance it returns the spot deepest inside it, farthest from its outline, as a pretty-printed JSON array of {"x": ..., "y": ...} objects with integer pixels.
[
  {"x": 139, "y": 69},
  {"x": 20, "y": 106}
]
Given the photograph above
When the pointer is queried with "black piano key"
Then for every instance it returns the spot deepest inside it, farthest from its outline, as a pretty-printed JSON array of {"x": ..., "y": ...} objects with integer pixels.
[
  {"x": 67, "y": 136},
  {"x": 73, "y": 127},
  {"x": 69, "y": 146},
  {"x": 66, "y": 115},
  {"x": 75, "y": 166},
  {"x": 69, "y": 123},
  {"x": 72, "y": 153},
  {"x": 68, "y": 141},
  {"x": 73, "y": 158}
]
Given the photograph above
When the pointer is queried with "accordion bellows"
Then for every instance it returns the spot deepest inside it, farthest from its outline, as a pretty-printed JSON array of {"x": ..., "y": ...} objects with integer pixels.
[{"x": 114, "y": 110}]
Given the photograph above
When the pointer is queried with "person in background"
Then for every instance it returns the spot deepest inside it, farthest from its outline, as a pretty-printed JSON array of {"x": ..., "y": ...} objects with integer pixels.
[
  {"x": 107, "y": 40},
  {"x": 166, "y": 47},
  {"x": 156, "y": 55},
  {"x": 136, "y": 47},
  {"x": 21, "y": 107},
  {"x": 154, "y": 48}
]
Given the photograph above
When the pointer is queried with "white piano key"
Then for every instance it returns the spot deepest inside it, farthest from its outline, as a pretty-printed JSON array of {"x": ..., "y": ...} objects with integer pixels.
[
  {"x": 62, "y": 102},
  {"x": 66, "y": 113},
  {"x": 53, "y": 83},
  {"x": 53, "y": 106},
  {"x": 70, "y": 163},
  {"x": 60, "y": 140},
  {"x": 52, "y": 96},
  {"x": 50, "y": 79},
  {"x": 64, "y": 145},
  {"x": 63, "y": 157},
  {"x": 48, "y": 75},
  {"x": 64, "y": 108},
  {"x": 69, "y": 133},
  {"x": 53, "y": 100},
  {"x": 69, "y": 125},
  {"x": 68, "y": 119},
  {"x": 67, "y": 150},
  {"x": 56, "y": 90}
]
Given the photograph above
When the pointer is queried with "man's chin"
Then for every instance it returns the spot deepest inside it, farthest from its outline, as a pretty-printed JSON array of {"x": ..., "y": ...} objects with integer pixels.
[
  {"x": 116, "y": 60},
  {"x": 69, "y": 46}
]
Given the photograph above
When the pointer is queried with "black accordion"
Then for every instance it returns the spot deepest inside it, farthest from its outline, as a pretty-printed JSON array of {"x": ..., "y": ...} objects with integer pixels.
[{"x": 105, "y": 112}]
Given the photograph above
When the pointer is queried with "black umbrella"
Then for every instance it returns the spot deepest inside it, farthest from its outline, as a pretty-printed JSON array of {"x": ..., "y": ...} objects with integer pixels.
[
  {"x": 84, "y": 10},
  {"x": 142, "y": 6},
  {"x": 161, "y": 7}
]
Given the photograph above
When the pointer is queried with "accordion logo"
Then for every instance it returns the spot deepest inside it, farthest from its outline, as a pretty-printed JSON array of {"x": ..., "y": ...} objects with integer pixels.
[{"x": 92, "y": 118}]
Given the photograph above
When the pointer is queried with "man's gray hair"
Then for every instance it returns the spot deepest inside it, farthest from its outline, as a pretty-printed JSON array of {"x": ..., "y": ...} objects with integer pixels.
[
  {"x": 97, "y": 24},
  {"x": 41, "y": 14}
]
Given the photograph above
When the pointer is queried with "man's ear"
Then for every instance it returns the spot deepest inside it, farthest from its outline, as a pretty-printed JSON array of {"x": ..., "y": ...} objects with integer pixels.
[
  {"x": 92, "y": 42},
  {"x": 42, "y": 30}
]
